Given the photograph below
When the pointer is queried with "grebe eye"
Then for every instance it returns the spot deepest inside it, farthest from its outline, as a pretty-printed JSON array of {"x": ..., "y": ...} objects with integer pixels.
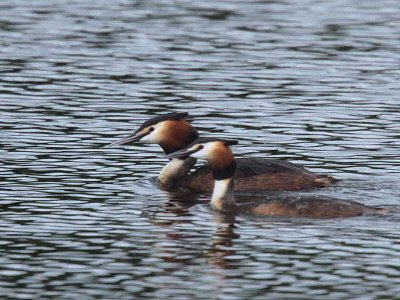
[
  {"x": 151, "y": 129},
  {"x": 201, "y": 147}
]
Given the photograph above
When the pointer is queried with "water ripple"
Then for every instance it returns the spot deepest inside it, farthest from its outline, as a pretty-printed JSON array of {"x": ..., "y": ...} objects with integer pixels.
[{"x": 310, "y": 81}]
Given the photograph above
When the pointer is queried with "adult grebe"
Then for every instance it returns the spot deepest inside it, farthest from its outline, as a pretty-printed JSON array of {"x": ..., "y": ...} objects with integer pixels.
[
  {"x": 172, "y": 132},
  {"x": 222, "y": 163}
]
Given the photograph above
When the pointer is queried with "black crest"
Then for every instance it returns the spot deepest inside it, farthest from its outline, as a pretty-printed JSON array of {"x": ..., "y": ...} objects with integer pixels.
[
  {"x": 211, "y": 139},
  {"x": 158, "y": 119}
]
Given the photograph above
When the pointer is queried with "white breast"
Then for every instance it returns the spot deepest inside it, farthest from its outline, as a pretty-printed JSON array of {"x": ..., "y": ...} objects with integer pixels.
[{"x": 223, "y": 194}]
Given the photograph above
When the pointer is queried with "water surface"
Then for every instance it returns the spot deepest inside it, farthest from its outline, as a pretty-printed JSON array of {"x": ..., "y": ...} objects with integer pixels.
[{"x": 313, "y": 82}]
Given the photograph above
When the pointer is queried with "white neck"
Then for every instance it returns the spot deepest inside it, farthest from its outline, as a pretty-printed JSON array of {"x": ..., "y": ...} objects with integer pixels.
[
  {"x": 223, "y": 197},
  {"x": 175, "y": 170}
]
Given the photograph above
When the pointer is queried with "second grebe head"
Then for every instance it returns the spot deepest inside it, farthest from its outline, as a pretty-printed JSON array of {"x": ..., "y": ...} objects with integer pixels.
[
  {"x": 215, "y": 151},
  {"x": 171, "y": 131}
]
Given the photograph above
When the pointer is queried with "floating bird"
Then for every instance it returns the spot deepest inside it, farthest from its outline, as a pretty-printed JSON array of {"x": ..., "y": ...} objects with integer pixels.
[
  {"x": 172, "y": 132},
  {"x": 223, "y": 166}
]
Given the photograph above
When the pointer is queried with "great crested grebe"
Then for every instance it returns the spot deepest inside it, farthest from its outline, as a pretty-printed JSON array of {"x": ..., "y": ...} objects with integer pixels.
[
  {"x": 222, "y": 163},
  {"x": 172, "y": 132}
]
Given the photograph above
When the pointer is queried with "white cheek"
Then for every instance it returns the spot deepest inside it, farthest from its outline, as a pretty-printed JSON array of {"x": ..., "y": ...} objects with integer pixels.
[
  {"x": 204, "y": 153},
  {"x": 153, "y": 137},
  {"x": 150, "y": 138},
  {"x": 200, "y": 154}
]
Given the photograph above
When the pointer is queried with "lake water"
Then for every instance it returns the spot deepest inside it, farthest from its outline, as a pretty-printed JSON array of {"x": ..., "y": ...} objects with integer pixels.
[{"x": 313, "y": 82}]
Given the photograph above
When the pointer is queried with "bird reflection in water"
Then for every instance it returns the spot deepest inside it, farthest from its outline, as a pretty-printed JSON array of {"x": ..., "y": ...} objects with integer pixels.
[
  {"x": 174, "y": 248},
  {"x": 222, "y": 242}
]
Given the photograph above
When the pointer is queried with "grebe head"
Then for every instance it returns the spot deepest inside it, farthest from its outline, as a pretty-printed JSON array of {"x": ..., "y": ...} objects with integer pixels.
[
  {"x": 222, "y": 163},
  {"x": 171, "y": 131},
  {"x": 215, "y": 151}
]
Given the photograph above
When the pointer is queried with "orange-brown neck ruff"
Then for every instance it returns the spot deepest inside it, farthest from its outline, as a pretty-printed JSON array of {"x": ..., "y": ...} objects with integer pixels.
[
  {"x": 177, "y": 135},
  {"x": 222, "y": 162}
]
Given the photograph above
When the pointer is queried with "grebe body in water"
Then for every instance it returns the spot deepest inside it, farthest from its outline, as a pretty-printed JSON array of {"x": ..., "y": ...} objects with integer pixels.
[
  {"x": 172, "y": 132},
  {"x": 223, "y": 166}
]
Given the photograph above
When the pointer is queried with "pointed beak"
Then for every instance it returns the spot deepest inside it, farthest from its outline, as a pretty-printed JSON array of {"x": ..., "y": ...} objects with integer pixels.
[
  {"x": 132, "y": 138},
  {"x": 181, "y": 153}
]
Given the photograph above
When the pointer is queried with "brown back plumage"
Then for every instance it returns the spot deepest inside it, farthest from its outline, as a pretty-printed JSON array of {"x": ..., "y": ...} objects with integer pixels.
[
  {"x": 312, "y": 207},
  {"x": 254, "y": 174}
]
